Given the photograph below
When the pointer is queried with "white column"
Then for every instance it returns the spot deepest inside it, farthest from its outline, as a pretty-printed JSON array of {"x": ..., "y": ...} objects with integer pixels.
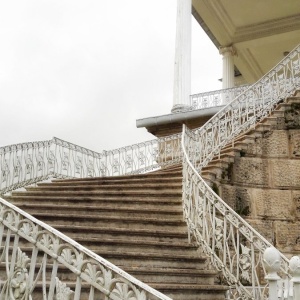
[
  {"x": 228, "y": 66},
  {"x": 182, "y": 71}
]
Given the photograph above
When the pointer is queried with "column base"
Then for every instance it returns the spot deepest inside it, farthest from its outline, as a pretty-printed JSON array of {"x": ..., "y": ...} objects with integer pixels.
[{"x": 178, "y": 108}]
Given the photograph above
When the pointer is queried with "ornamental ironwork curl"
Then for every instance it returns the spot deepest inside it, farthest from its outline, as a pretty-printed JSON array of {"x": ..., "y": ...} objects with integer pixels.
[
  {"x": 31, "y": 249},
  {"x": 236, "y": 249},
  {"x": 28, "y": 163}
]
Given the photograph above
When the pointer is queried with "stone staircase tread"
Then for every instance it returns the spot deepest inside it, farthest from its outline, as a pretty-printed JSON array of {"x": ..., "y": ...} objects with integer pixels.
[
  {"x": 168, "y": 271},
  {"x": 111, "y": 218},
  {"x": 122, "y": 177},
  {"x": 133, "y": 221},
  {"x": 137, "y": 231},
  {"x": 170, "y": 193},
  {"x": 104, "y": 182},
  {"x": 152, "y": 255},
  {"x": 176, "y": 286},
  {"x": 27, "y": 197},
  {"x": 105, "y": 208},
  {"x": 143, "y": 243},
  {"x": 127, "y": 187}
]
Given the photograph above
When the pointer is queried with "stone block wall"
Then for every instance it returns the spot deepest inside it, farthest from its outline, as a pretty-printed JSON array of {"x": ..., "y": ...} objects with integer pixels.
[{"x": 263, "y": 183}]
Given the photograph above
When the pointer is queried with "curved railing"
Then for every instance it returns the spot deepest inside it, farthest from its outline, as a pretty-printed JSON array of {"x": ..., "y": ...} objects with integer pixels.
[
  {"x": 31, "y": 251},
  {"x": 234, "y": 247},
  {"x": 28, "y": 163},
  {"x": 216, "y": 98}
]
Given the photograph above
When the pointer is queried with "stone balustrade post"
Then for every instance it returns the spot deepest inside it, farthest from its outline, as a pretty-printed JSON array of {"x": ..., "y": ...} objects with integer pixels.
[
  {"x": 271, "y": 261},
  {"x": 295, "y": 272}
]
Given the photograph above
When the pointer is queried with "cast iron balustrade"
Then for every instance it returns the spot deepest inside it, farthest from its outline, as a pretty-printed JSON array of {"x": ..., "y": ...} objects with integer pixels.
[
  {"x": 28, "y": 163},
  {"x": 216, "y": 98},
  {"x": 34, "y": 255},
  {"x": 233, "y": 246}
]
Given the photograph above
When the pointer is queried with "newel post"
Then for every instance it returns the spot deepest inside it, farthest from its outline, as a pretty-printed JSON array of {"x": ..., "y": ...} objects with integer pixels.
[
  {"x": 272, "y": 265},
  {"x": 295, "y": 272}
]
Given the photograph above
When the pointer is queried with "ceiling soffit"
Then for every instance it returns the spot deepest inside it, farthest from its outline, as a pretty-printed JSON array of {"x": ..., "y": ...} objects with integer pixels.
[{"x": 253, "y": 27}]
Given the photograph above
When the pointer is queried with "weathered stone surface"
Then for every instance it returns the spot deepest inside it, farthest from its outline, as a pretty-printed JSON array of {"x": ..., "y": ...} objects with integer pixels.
[
  {"x": 250, "y": 170},
  {"x": 271, "y": 144},
  {"x": 286, "y": 173},
  {"x": 295, "y": 143},
  {"x": 292, "y": 116},
  {"x": 296, "y": 204},
  {"x": 237, "y": 198},
  {"x": 273, "y": 203},
  {"x": 287, "y": 236},
  {"x": 265, "y": 179}
]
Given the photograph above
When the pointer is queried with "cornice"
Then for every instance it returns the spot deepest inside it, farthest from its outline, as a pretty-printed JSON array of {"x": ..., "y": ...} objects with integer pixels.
[
  {"x": 265, "y": 29},
  {"x": 222, "y": 14},
  {"x": 205, "y": 27},
  {"x": 215, "y": 18}
]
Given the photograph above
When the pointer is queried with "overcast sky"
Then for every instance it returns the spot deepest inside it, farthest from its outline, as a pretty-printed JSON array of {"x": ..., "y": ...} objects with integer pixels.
[{"x": 85, "y": 70}]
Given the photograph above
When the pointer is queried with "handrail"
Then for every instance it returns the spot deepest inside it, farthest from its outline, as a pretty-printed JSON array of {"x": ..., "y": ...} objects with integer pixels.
[
  {"x": 49, "y": 249},
  {"x": 234, "y": 247},
  {"x": 216, "y": 98},
  {"x": 28, "y": 163}
]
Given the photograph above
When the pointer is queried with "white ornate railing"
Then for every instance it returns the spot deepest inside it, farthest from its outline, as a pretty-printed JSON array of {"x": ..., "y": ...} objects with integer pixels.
[
  {"x": 28, "y": 163},
  {"x": 234, "y": 246},
  {"x": 35, "y": 259},
  {"x": 216, "y": 98}
]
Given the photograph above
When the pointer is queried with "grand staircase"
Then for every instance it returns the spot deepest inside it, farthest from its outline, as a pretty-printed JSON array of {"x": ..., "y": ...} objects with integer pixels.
[
  {"x": 151, "y": 225},
  {"x": 135, "y": 222}
]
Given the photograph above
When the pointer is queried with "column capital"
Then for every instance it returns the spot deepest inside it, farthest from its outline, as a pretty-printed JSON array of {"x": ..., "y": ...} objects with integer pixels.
[{"x": 227, "y": 50}]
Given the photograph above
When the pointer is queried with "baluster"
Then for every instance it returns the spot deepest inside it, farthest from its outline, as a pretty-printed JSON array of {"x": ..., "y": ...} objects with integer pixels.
[
  {"x": 272, "y": 264},
  {"x": 295, "y": 272}
]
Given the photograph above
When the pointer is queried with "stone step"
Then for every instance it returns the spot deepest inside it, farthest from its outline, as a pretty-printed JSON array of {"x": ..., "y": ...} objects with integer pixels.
[
  {"x": 149, "y": 259},
  {"x": 173, "y": 290},
  {"x": 152, "y": 275},
  {"x": 162, "y": 279},
  {"x": 262, "y": 127},
  {"x": 191, "y": 291},
  {"x": 132, "y": 193},
  {"x": 102, "y": 210},
  {"x": 175, "y": 235},
  {"x": 105, "y": 181},
  {"x": 293, "y": 100},
  {"x": 138, "y": 245},
  {"x": 124, "y": 187},
  {"x": 130, "y": 202},
  {"x": 158, "y": 174},
  {"x": 107, "y": 221},
  {"x": 135, "y": 222},
  {"x": 172, "y": 275}
]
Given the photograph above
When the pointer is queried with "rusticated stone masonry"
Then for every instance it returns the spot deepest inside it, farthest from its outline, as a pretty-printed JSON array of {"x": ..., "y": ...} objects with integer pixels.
[{"x": 262, "y": 183}]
